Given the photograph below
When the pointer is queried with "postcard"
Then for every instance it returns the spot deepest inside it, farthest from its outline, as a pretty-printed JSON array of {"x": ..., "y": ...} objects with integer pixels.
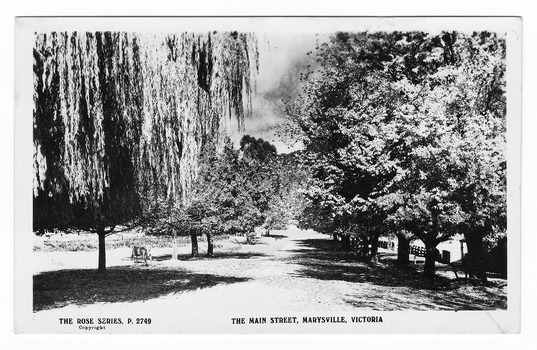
[{"x": 267, "y": 175}]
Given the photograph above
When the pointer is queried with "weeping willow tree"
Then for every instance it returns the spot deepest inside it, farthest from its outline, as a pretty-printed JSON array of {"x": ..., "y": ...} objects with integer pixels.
[
  {"x": 196, "y": 88},
  {"x": 120, "y": 119}
]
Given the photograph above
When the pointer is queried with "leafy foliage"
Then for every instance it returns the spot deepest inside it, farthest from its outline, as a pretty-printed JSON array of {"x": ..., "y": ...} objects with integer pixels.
[
  {"x": 120, "y": 119},
  {"x": 405, "y": 131},
  {"x": 119, "y": 116},
  {"x": 238, "y": 190}
]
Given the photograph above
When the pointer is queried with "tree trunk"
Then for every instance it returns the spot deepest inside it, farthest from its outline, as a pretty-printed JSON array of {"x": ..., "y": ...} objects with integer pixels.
[
  {"x": 174, "y": 245},
  {"x": 354, "y": 244},
  {"x": 102, "y": 250},
  {"x": 345, "y": 243},
  {"x": 430, "y": 257},
  {"x": 476, "y": 255},
  {"x": 365, "y": 248},
  {"x": 403, "y": 249},
  {"x": 209, "y": 244},
  {"x": 374, "y": 246},
  {"x": 430, "y": 248},
  {"x": 194, "y": 239}
]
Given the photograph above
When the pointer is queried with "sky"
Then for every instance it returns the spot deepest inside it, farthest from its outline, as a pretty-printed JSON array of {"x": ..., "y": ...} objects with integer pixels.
[{"x": 281, "y": 59}]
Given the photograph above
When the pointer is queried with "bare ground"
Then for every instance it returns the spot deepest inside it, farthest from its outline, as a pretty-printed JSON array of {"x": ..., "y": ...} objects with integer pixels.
[{"x": 291, "y": 270}]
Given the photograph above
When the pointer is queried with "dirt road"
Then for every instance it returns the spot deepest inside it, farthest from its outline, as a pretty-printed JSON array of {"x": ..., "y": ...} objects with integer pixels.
[{"x": 291, "y": 270}]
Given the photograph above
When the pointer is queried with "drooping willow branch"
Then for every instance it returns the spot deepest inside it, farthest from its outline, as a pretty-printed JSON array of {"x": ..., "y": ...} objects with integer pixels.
[{"x": 120, "y": 118}]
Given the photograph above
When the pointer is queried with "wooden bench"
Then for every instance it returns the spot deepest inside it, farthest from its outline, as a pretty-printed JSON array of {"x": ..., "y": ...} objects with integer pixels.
[{"x": 141, "y": 253}]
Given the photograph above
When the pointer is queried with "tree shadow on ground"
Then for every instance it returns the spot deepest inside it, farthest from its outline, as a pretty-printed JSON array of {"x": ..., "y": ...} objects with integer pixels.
[
  {"x": 118, "y": 284},
  {"x": 236, "y": 255},
  {"x": 323, "y": 260},
  {"x": 276, "y": 237},
  {"x": 217, "y": 255},
  {"x": 412, "y": 299}
]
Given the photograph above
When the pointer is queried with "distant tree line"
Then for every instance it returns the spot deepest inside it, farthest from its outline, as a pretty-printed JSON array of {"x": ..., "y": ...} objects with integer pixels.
[{"x": 236, "y": 191}]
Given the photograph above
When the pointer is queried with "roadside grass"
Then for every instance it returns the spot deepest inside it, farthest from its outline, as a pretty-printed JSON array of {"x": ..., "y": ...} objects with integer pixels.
[{"x": 86, "y": 242}]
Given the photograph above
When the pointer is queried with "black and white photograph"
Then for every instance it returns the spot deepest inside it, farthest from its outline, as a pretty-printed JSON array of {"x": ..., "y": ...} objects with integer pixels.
[{"x": 268, "y": 175}]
